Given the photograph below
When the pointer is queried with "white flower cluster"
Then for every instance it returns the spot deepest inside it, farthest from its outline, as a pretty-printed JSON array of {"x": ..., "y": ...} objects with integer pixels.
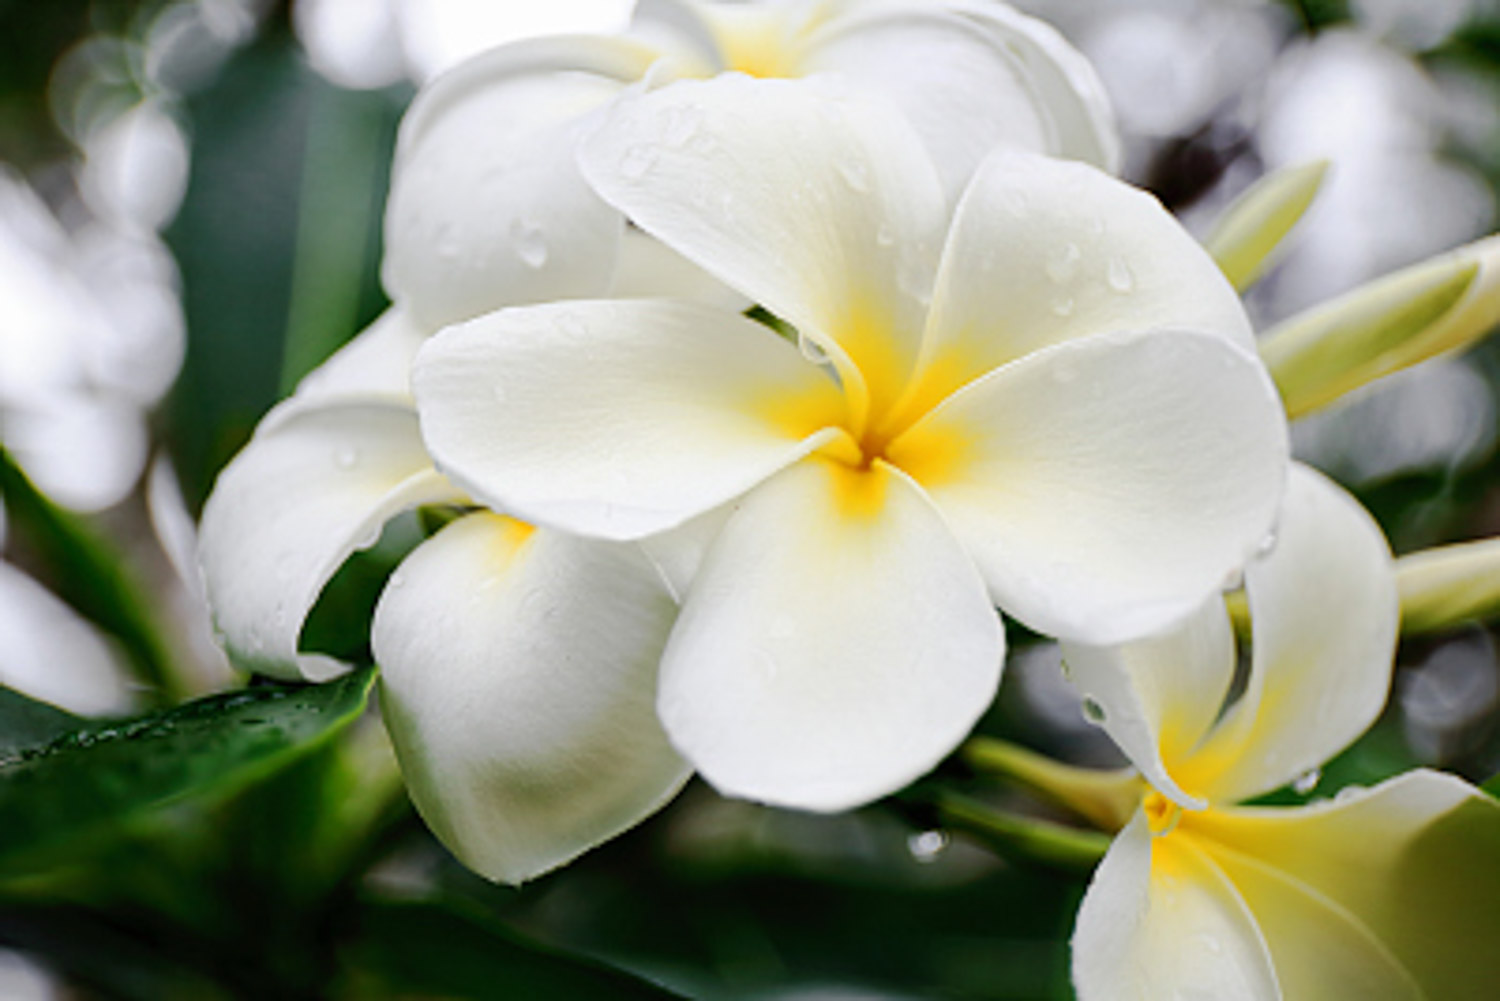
[{"x": 764, "y": 351}]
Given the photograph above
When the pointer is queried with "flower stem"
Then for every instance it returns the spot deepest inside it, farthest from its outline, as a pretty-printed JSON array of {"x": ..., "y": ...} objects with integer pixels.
[{"x": 1107, "y": 799}]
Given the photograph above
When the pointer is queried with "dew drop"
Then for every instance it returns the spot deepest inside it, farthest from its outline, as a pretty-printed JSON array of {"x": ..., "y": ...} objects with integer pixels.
[
  {"x": 681, "y": 124},
  {"x": 812, "y": 350},
  {"x": 1267, "y": 545},
  {"x": 927, "y": 846},
  {"x": 1119, "y": 276},
  {"x": 346, "y": 457},
  {"x": 638, "y": 162},
  {"x": 1062, "y": 263},
  {"x": 1063, "y": 305},
  {"x": 397, "y": 581},
  {"x": 1306, "y": 782},
  {"x": 856, "y": 175},
  {"x": 1094, "y": 712},
  {"x": 530, "y": 243}
]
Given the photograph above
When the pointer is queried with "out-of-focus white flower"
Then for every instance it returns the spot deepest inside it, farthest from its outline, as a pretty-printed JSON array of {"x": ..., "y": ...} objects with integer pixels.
[
  {"x": 90, "y": 333},
  {"x": 1388, "y": 892},
  {"x": 1375, "y": 116},
  {"x": 1051, "y": 406}
]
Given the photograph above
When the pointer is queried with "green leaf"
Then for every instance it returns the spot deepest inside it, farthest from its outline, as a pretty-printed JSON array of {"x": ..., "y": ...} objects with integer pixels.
[
  {"x": 1246, "y": 238},
  {"x": 430, "y": 949},
  {"x": 91, "y": 575},
  {"x": 25, "y": 722},
  {"x": 93, "y": 779}
]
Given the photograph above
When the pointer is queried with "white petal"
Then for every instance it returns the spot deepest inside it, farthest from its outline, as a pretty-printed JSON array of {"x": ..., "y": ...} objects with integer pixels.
[
  {"x": 1108, "y": 485},
  {"x": 518, "y": 681},
  {"x": 617, "y": 419},
  {"x": 1400, "y": 877},
  {"x": 1324, "y": 613},
  {"x": 1157, "y": 697},
  {"x": 835, "y": 645},
  {"x": 287, "y": 512},
  {"x": 1063, "y": 80},
  {"x": 1039, "y": 93},
  {"x": 823, "y": 209},
  {"x": 487, "y": 208},
  {"x": 1043, "y": 252},
  {"x": 52, "y": 654},
  {"x": 1160, "y": 921},
  {"x": 649, "y": 269}
]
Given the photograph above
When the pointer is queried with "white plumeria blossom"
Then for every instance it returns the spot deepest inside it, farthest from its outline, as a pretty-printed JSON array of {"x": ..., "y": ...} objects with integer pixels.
[
  {"x": 1051, "y": 405},
  {"x": 488, "y": 208},
  {"x": 1383, "y": 893}
]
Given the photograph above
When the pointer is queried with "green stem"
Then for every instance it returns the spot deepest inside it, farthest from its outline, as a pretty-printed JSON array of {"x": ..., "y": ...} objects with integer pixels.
[
  {"x": 1449, "y": 585},
  {"x": 1029, "y": 837},
  {"x": 1107, "y": 799}
]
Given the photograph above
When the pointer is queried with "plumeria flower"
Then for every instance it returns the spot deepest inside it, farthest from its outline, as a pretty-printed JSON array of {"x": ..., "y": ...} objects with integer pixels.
[
  {"x": 1051, "y": 405},
  {"x": 488, "y": 207},
  {"x": 1378, "y": 893},
  {"x": 536, "y": 736}
]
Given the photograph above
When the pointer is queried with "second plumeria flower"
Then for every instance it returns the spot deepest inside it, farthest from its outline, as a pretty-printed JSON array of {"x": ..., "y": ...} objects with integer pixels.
[{"x": 1051, "y": 405}]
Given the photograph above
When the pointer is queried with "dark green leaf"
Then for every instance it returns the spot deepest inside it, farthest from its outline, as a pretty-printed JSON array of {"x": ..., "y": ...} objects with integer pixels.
[
  {"x": 88, "y": 780},
  {"x": 26, "y": 722},
  {"x": 434, "y": 950},
  {"x": 90, "y": 574}
]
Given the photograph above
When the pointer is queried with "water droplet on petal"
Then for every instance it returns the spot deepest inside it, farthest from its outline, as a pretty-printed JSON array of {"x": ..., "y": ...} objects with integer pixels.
[
  {"x": 856, "y": 175},
  {"x": 638, "y": 162},
  {"x": 927, "y": 846},
  {"x": 397, "y": 581},
  {"x": 681, "y": 124},
  {"x": 1307, "y": 781},
  {"x": 1267, "y": 545},
  {"x": 1063, "y": 305},
  {"x": 1121, "y": 279},
  {"x": 530, "y": 243},
  {"x": 346, "y": 457},
  {"x": 1062, "y": 263},
  {"x": 1094, "y": 711},
  {"x": 812, "y": 350}
]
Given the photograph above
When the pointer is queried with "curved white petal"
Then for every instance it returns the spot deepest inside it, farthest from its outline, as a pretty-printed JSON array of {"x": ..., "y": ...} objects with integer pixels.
[
  {"x": 518, "y": 682},
  {"x": 1404, "y": 875},
  {"x": 835, "y": 645},
  {"x": 1325, "y": 614},
  {"x": 1063, "y": 80},
  {"x": 1108, "y": 485},
  {"x": 649, "y": 269},
  {"x": 617, "y": 419},
  {"x": 487, "y": 207},
  {"x": 824, "y": 209},
  {"x": 1160, "y": 921},
  {"x": 51, "y": 653},
  {"x": 287, "y": 512},
  {"x": 1043, "y": 252},
  {"x": 1157, "y": 697}
]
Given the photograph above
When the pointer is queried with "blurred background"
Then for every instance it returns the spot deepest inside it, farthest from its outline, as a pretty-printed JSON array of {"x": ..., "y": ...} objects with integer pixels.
[{"x": 190, "y": 210}]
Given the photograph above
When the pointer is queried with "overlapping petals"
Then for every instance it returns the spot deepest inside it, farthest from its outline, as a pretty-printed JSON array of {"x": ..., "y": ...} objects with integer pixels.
[
  {"x": 291, "y": 508},
  {"x": 518, "y": 672},
  {"x": 1099, "y": 486},
  {"x": 1374, "y": 894}
]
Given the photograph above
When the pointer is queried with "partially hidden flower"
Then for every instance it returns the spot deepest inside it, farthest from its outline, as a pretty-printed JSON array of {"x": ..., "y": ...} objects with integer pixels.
[
  {"x": 488, "y": 207},
  {"x": 1051, "y": 405},
  {"x": 1389, "y": 892},
  {"x": 534, "y": 735}
]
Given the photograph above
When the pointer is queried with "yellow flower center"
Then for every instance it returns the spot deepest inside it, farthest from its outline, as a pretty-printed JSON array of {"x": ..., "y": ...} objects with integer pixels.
[{"x": 1161, "y": 813}]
